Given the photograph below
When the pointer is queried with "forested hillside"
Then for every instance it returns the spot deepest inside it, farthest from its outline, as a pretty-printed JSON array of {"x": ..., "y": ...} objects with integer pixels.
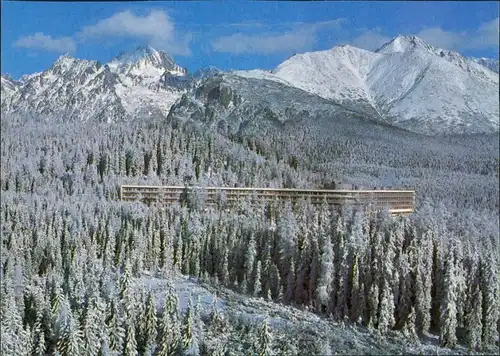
[{"x": 74, "y": 257}]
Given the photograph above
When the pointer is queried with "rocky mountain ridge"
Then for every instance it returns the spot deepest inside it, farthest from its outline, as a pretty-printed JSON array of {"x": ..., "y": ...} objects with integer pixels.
[
  {"x": 406, "y": 83},
  {"x": 409, "y": 83},
  {"x": 76, "y": 89}
]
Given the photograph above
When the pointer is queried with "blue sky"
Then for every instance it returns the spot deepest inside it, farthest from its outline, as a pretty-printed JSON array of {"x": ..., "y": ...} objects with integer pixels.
[{"x": 233, "y": 34}]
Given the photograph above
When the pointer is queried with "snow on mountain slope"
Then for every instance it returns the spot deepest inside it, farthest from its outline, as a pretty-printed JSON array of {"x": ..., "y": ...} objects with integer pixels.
[
  {"x": 338, "y": 74},
  {"x": 205, "y": 73},
  {"x": 233, "y": 104},
  {"x": 430, "y": 95},
  {"x": 72, "y": 89},
  {"x": 409, "y": 44},
  {"x": 142, "y": 79},
  {"x": 75, "y": 89},
  {"x": 260, "y": 74},
  {"x": 407, "y": 82},
  {"x": 491, "y": 64},
  {"x": 145, "y": 65},
  {"x": 8, "y": 86}
]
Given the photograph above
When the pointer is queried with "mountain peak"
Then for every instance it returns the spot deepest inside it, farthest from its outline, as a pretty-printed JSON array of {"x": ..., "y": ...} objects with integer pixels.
[
  {"x": 404, "y": 44},
  {"x": 145, "y": 60},
  {"x": 144, "y": 54},
  {"x": 8, "y": 77},
  {"x": 68, "y": 63},
  {"x": 64, "y": 59},
  {"x": 9, "y": 82},
  {"x": 64, "y": 63}
]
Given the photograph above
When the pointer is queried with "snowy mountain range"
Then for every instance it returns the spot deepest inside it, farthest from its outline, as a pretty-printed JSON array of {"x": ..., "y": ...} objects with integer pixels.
[
  {"x": 406, "y": 83},
  {"x": 76, "y": 89},
  {"x": 409, "y": 83}
]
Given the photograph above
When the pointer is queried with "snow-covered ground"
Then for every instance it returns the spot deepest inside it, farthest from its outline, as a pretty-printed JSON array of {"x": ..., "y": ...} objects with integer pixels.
[{"x": 290, "y": 324}]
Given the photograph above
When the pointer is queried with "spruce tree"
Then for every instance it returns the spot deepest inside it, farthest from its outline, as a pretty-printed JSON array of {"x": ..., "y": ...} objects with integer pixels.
[
  {"x": 473, "y": 320},
  {"x": 490, "y": 286},
  {"x": 326, "y": 275},
  {"x": 264, "y": 342},
  {"x": 448, "y": 323},
  {"x": 130, "y": 342},
  {"x": 116, "y": 332},
  {"x": 386, "y": 309},
  {"x": 257, "y": 285},
  {"x": 70, "y": 336},
  {"x": 169, "y": 331}
]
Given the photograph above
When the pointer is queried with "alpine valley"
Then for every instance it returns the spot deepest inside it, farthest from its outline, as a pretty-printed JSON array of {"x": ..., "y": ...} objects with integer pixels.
[{"x": 84, "y": 273}]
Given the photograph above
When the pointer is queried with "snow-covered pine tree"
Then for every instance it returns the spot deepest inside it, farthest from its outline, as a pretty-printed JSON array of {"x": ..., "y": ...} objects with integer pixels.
[
  {"x": 92, "y": 329},
  {"x": 146, "y": 326},
  {"x": 438, "y": 259},
  {"x": 275, "y": 281},
  {"x": 169, "y": 328},
  {"x": 224, "y": 271},
  {"x": 190, "y": 344},
  {"x": 265, "y": 338},
  {"x": 12, "y": 340},
  {"x": 490, "y": 287},
  {"x": 303, "y": 268},
  {"x": 326, "y": 275},
  {"x": 130, "y": 342},
  {"x": 314, "y": 267},
  {"x": 116, "y": 332},
  {"x": 287, "y": 232},
  {"x": 406, "y": 291},
  {"x": 125, "y": 291},
  {"x": 461, "y": 283},
  {"x": 217, "y": 321},
  {"x": 386, "y": 308},
  {"x": 290, "y": 283},
  {"x": 409, "y": 326},
  {"x": 257, "y": 282},
  {"x": 448, "y": 325},
  {"x": 423, "y": 283},
  {"x": 250, "y": 257},
  {"x": 338, "y": 304},
  {"x": 70, "y": 335},
  {"x": 474, "y": 316},
  {"x": 39, "y": 345}
]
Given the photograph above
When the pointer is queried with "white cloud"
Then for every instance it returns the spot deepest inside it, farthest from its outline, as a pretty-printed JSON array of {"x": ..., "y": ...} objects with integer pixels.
[
  {"x": 370, "y": 40},
  {"x": 484, "y": 37},
  {"x": 295, "y": 36},
  {"x": 157, "y": 28},
  {"x": 330, "y": 24},
  {"x": 243, "y": 24},
  {"x": 44, "y": 42},
  {"x": 443, "y": 39},
  {"x": 487, "y": 35},
  {"x": 266, "y": 44}
]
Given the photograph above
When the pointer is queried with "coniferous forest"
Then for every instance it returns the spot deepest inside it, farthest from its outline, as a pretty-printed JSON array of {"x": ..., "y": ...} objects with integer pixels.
[{"x": 76, "y": 261}]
